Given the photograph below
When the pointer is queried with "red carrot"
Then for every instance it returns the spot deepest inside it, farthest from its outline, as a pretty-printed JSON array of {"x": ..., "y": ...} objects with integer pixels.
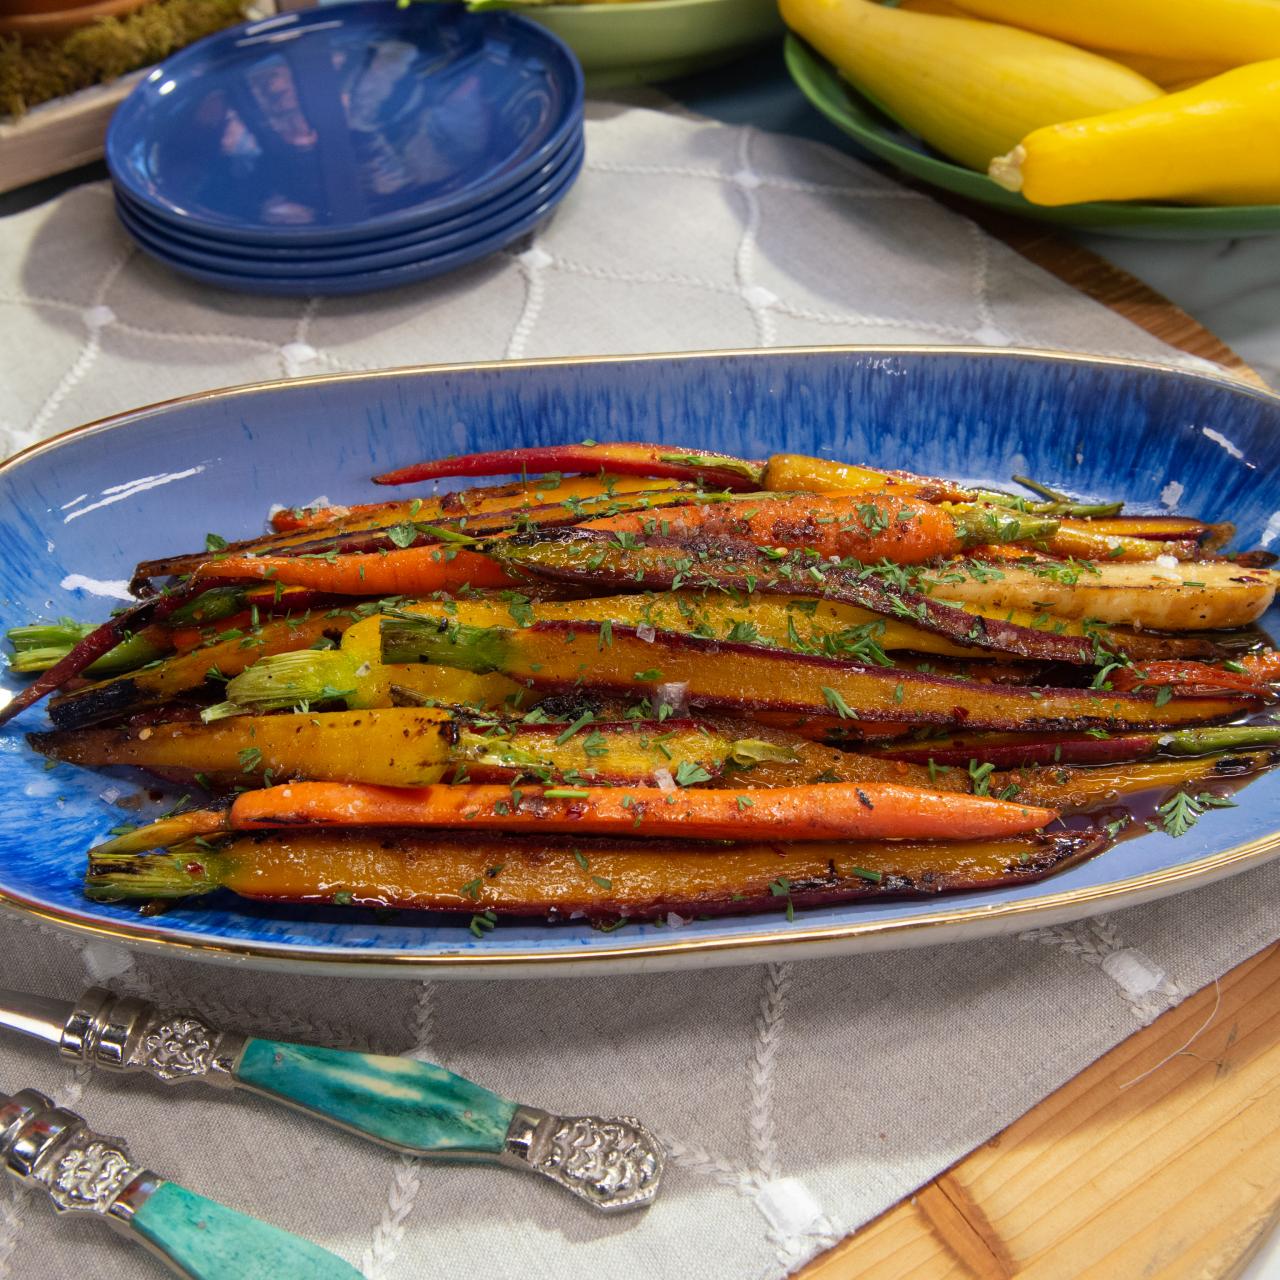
[{"x": 720, "y": 470}]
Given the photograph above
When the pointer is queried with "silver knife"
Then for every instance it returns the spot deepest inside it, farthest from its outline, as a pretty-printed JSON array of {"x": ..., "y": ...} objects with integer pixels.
[
  {"x": 50, "y": 1149},
  {"x": 411, "y": 1106}
]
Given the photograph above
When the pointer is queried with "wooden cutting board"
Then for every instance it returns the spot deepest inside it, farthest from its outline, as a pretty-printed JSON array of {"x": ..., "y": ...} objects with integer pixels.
[{"x": 1174, "y": 1177}]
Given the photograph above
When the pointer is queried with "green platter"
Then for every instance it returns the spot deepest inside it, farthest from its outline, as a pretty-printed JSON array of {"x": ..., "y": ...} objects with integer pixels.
[
  {"x": 855, "y": 114},
  {"x": 642, "y": 41}
]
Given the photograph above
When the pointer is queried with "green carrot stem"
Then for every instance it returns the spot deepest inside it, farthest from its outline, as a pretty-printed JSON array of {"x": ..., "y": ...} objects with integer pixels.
[
  {"x": 1061, "y": 504},
  {"x": 284, "y": 680},
  {"x": 412, "y": 639},
  {"x": 1053, "y": 495},
  {"x": 41, "y": 645},
  {"x": 1206, "y": 742},
  {"x": 164, "y": 832},
  {"x": 208, "y": 607},
  {"x": 976, "y": 526},
  {"x": 180, "y": 872}
]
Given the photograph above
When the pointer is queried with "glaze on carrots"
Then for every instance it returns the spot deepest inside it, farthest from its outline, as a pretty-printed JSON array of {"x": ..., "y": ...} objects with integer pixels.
[
  {"x": 825, "y": 811},
  {"x": 414, "y": 571},
  {"x": 559, "y": 877}
]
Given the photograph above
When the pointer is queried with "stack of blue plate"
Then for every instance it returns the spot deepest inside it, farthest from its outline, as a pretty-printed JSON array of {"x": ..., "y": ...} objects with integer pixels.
[{"x": 348, "y": 148}]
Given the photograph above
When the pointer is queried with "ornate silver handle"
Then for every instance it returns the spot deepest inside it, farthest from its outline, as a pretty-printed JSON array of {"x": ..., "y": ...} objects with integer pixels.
[
  {"x": 45, "y": 1146},
  {"x": 613, "y": 1164},
  {"x": 125, "y": 1034},
  {"x": 50, "y": 1148}
]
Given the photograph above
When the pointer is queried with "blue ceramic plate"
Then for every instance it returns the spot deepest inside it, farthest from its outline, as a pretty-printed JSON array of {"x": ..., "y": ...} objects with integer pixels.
[
  {"x": 87, "y": 506},
  {"x": 519, "y": 196},
  {"x": 355, "y": 120},
  {"x": 481, "y": 232},
  {"x": 251, "y": 278}
]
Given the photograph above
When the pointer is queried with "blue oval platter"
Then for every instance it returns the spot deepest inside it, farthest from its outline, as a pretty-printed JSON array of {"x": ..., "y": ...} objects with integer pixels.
[{"x": 82, "y": 509}]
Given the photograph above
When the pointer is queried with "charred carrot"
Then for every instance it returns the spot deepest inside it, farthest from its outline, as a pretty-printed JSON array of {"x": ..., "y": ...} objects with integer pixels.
[
  {"x": 743, "y": 678},
  {"x": 368, "y": 536},
  {"x": 830, "y": 811},
  {"x": 788, "y": 472},
  {"x": 411, "y": 747},
  {"x": 530, "y": 491},
  {"x": 598, "y": 563},
  {"x": 194, "y": 670},
  {"x": 1013, "y": 750},
  {"x": 97, "y": 644},
  {"x": 416, "y": 571},
  {"x": 721, "y": 470},
  {"x": 1095, "y": 788},
  {"x": 794, "y": 472},
  {"x": 1077, "y": 538},
  {"x": 873, "y": 528},
  {"x": 1158, "y": 528},
  {"x": 560, "y": 877}
]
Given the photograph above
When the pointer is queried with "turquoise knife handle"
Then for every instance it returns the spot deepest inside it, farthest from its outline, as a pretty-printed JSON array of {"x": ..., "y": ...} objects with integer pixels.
[
  {"x": 49, "y": 1148},
  {"x": 207, "y": 1241},
  {"x": 612, "y": 1163},
  {"x": 399, "y": 1101}
]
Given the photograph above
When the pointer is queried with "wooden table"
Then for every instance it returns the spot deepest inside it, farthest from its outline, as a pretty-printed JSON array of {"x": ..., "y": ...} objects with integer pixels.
[{"x": 1173, "y": 1175}]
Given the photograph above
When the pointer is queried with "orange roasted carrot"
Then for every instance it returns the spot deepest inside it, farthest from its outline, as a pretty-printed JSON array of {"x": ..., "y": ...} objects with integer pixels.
[
  {"x": 822, "y": 811},
  {"x": 870, "y": 528},
  {"x": 413, "y": 571}
]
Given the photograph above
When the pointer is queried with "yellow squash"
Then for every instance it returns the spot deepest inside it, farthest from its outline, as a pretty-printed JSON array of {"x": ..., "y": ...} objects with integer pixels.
[
  {"x": 1170, "y": 73},
  {"x": 1216, "y": 143},
  {"x": 970, "y": 89},
  {"x": 1226, "y": 31}
]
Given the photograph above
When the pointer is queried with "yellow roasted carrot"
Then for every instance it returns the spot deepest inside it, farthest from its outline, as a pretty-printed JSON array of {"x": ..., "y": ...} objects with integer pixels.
[
  {"x": 1195, "y": 596},
  {"x": 571, "y": 876}
]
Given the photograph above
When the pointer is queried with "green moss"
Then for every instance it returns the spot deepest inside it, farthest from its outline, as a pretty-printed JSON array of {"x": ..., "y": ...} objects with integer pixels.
[{"x": 111, "y": 47}]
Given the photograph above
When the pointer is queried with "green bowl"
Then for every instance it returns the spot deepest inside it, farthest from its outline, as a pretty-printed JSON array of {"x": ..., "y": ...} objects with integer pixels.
[
  {"x": 648, "y": 40},
  {"x": 853, "y": 112}
]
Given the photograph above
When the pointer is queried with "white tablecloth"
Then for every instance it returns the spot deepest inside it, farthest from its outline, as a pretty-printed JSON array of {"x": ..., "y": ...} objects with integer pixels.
[{"x": 798, "y": 1100}]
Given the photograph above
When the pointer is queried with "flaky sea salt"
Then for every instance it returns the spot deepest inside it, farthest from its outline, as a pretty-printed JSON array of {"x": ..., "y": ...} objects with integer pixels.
[{"x": 674, "y": 696}]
